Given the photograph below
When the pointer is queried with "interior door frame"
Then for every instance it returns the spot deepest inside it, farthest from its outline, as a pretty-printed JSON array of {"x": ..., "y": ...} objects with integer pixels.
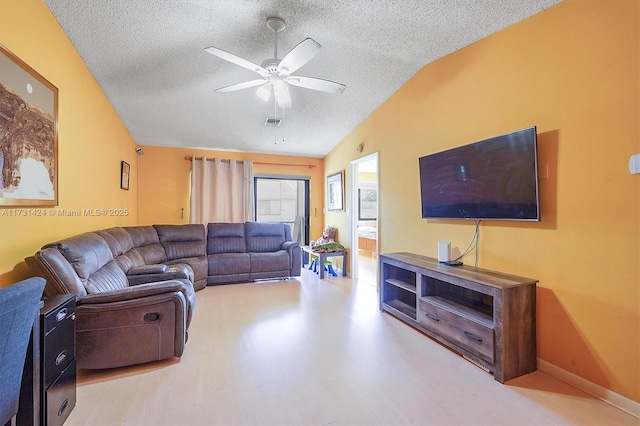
[{"x": 353, "y": 190}]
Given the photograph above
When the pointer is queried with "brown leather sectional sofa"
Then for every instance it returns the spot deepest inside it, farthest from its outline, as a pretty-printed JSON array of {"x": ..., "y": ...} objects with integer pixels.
[
  {"x": 134, "y": 290},
  {"x": 135, "y": 286}
]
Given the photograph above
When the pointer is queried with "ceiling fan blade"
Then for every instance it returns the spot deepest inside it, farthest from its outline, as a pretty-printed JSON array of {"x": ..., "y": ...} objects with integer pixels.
[
  {"x": 240, "y": 86},
  {"x": 302, "y": 53},
  {"x": 316, "y": 84},
  {"x": 237, "y": 60}
]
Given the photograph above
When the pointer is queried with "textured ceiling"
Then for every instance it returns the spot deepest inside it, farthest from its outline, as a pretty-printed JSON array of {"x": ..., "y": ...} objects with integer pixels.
[{"x": 148, "y": 57}]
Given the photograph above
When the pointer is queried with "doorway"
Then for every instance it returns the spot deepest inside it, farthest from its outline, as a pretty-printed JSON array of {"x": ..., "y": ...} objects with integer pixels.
[
  {"x": 364, "y": 218},
  {"x": 285, "y": 200}
]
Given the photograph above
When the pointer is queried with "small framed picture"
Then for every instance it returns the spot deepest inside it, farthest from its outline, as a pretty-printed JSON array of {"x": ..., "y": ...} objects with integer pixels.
[
  {"x": 335, "y": 191},
  {"x": 125, "y": 171}
]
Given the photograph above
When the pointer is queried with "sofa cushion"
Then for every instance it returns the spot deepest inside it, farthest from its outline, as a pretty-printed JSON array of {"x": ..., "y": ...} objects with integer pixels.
[
  {"x": 146, "y": 244},
  {"x": 92, "y": 260},
  {"x": 229, "y": 263},
  {"x": 182, "y": 241},
  {"x": 226, "y": 238},
  {"x": 108, "y": 278},
  {"x": 118, "y": 240},
  {"x": 264, "y": 237},
  {"x": 129, "y": 260},
  {"x": 272, "y": 261},
  {"x": 86, "y": 253}
]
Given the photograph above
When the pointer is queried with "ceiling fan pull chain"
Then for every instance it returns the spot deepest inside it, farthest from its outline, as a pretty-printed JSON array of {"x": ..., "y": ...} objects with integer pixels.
[{"x": 275, "y": 116}]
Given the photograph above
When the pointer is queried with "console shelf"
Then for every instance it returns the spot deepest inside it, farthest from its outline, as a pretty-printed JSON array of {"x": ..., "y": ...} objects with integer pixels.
[
  {"x": 402, "y": 284},
  {"x": 401, "y": 307},
  {"x": 486, "y": 316}
]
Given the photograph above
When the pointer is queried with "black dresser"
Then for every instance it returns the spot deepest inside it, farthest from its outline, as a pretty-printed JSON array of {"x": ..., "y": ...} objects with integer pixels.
[{"x": 48, "y": 392}]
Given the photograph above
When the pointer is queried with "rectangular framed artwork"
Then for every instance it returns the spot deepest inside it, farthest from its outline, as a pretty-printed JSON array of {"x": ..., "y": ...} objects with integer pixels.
[
  {"x": 367, "y": 203},
  {"x": 125, "y": 172},
  {"x": 28, "y": 135},
  {"x": 335, "y": 191}
]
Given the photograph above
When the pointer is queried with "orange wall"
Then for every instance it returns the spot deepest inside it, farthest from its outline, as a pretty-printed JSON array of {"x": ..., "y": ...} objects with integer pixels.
[
  {"x": 573, "y": 71},
  {"x": 91, "y": 141},
  {"x": 164, "y": 181}
]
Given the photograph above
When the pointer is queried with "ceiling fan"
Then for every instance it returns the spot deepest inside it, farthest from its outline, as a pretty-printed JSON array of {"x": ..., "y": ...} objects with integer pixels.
[{"x": 277, "y": 73}]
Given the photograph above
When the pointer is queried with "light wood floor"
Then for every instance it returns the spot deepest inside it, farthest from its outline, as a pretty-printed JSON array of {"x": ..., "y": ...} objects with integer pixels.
[{"x": 310, "y": 351}]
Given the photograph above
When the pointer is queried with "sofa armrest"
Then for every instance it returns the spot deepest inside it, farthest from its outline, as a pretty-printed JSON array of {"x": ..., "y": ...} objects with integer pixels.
[
  {"x": 159, "y": 268},
  {"x": 290, "y": 245},
  {"x": 135, "y": 292},
  {"x": 295, "y": 256},
  {"x": 169, "y": 274}
]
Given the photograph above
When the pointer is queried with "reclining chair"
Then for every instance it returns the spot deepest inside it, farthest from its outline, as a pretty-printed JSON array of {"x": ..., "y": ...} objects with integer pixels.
[{"x": 117, "y": 323}]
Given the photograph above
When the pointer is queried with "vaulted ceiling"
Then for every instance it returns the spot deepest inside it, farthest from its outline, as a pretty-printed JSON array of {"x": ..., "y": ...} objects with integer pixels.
[{"x": 148, "y": 57}]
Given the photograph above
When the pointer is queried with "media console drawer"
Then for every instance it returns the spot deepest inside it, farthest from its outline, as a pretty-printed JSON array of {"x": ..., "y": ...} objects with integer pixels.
[
  {"x": 484, "y": 315},
  {"x": 474, "y": 337}
]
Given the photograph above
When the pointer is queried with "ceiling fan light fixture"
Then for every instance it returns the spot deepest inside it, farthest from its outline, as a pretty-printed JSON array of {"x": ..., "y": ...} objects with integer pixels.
[
  {"x": 281, "y": 92},
  {"x": 264, "y": 92}
]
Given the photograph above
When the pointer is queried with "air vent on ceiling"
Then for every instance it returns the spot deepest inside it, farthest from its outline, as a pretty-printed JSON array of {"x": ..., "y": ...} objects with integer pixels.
[{"x": 274, "y": 122}]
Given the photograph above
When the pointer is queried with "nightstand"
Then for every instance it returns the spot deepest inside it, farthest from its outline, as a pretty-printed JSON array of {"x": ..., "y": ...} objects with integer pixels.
[{"x": 48, "y": 392}]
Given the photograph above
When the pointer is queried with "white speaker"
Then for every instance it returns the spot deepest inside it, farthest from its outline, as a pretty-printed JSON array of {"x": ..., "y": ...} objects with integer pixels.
[{"x": 443, "y": 251}]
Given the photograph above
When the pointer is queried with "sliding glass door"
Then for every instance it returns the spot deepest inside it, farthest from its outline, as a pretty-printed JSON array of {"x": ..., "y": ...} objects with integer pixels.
[{"x": 286, "y": 200}]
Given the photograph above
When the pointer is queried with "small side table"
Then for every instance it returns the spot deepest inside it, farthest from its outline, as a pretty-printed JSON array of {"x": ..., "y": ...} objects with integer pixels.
[
  {"x": 308, "y": 251},
  {"x": 48, "y": 392}
]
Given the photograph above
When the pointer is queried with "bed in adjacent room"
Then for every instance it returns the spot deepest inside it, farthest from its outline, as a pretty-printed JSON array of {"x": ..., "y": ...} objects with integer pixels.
[{"x": 367, "y": 240}]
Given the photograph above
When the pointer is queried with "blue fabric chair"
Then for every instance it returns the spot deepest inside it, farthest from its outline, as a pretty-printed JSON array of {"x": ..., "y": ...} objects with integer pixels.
[{"x": 18, "y": 309}]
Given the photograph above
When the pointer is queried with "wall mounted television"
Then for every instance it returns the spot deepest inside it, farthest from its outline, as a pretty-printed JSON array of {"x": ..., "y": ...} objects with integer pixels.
[{"x": 495, "y": 179}]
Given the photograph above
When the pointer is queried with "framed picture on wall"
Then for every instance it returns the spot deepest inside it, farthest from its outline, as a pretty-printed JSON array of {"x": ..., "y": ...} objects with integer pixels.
[
  {"x": 367, "y": 203},
  {"x": 335, "y": 191},
  {"x": 125, "y": 171},
  {"x": 29, "y": 136}
]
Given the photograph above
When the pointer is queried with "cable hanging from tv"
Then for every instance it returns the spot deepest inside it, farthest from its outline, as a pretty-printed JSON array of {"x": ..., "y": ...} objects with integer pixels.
[{"x": 476, "y": 239}]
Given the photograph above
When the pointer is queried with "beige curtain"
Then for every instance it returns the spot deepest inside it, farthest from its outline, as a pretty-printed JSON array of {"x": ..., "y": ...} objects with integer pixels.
[{"x": 221, "y": 191}]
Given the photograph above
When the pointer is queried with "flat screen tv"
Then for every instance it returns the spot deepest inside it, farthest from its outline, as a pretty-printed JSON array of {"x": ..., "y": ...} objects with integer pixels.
[{"x": 496, "y": 178}]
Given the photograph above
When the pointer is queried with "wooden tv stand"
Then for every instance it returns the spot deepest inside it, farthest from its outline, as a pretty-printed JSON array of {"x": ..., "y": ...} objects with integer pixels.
[{"x": 487, "y": 316}]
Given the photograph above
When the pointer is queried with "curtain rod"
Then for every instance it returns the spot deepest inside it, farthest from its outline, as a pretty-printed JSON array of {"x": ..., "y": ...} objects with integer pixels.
[{"x": 311, "y": 166}]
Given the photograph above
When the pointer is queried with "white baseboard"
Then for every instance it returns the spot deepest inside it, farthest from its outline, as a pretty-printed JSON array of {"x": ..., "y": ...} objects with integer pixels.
[{"x": 606, "y": 395}]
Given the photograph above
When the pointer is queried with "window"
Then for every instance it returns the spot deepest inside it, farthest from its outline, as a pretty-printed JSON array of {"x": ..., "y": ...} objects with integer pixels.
[{"x": 284, "y": 200}]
